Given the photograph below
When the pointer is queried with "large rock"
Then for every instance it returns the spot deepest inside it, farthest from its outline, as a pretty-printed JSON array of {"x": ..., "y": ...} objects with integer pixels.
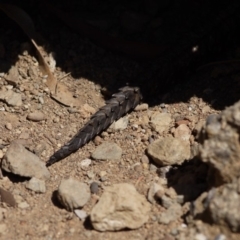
[
  {"x": 120, "y": 207},
  {"x": 221, "y": 145},
  {"x": 73, "y": 194},
  {"x": 220, "y": 206},
  {"x": 20, "y": 161},
  {"x": 168, "y": 151}
]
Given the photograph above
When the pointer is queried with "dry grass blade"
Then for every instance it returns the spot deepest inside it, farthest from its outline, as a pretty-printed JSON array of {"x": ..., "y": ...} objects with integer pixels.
[
  {"x": 59, "y": 91},
  {"x": 27, "y": 25},
  {"x": 121, "y": 103}
]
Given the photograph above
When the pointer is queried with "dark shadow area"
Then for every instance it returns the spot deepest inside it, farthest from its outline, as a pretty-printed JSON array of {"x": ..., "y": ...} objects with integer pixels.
[
  {"x": 15, "y": 178},
  {"x": 190, "y": 34},
  {"x": 189, "y": 179},
  {"x": 55, "y": 200},
  {"x": 87, "y": 224}
]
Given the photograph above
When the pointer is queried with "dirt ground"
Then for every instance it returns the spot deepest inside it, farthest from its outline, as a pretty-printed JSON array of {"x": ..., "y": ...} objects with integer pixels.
[{"x": 92, "y": 74}]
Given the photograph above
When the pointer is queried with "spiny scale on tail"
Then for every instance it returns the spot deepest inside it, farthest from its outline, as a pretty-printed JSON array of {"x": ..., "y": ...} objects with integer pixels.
[{"x": 127, "y": 99}]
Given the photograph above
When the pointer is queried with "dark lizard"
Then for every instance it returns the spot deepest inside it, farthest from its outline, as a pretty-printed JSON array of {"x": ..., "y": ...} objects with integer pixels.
[
  {"x": 120, "y": 103},
  {"x": 178, "y": 57}
]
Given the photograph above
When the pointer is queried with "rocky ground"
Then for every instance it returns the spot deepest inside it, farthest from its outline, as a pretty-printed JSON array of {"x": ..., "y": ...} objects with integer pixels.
[{"x": 164, "y": 171}]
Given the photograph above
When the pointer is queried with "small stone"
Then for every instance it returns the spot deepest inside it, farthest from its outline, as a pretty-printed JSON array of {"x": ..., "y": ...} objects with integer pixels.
[
  {"x": 36, "y": 185},
  {"x": 73, "y": 194},
  {"x": 171, "y": 214},
  {"x": 36, "y": 116},
  {"x": 81, "y": 214},
  {"x": 121, "y": 124},
  {"x": 182, "y": 132},
  {"x": 41, "y": 100},
  {"x": 135, "y": 127},
  {"x": 160, "y": 122},
  {"x": 7, "y": 197},
  {"x": 200, "y": 236},
  {"x": 168, "y": 151},
  {"x": 102, "y": 174},
  {"x": 107, "y": 151},
  {"x": 11, "y": 98},
  {"x": 145, "y": 159},
  {"x": 20, "y": 161},
  {"x": 3, "y": 228},
  {"x": 97, "y": 140},
  {"x": 120, "y": 207},
  {"x": 90, "y": 174},
  {"x": 141, "y": 107},
  {"x": 154, "y": 188},
  {"x": 85, "y": 163},
  {"x": 206, "y": 109},
  {"x": 56, "y": 120},
  {"x": 94, "y": 188},
  {"x": 8, "y": 126},
  {"x": 23, "y": 205},
  {"x": 89, "y": 109},
  {"x": 167, "y": 202}
]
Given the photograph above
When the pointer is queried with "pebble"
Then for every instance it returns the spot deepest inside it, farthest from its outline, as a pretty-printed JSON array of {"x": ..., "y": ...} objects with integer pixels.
[
  {"x": 182, "y": 132},
  {"x": 36, "y": 116},
  {"x": 154, "y": 188},
  {"x": 167, "y": 202},
  {"x": 20, "y": 161},
  {"x": 94, "y": 188},
  {"x": 73, "y": 194},
  {"x": 141, "y": 107},
  {"x": 168, "y": 151},
  {"x": 144, "y": 159},
  {"x": 81, "y": 214},
  {"x": 200, "y": 236},
  {"x": 121, "y": 124},
  {"x": 85, "y": 163},
  {"x": 36, "y": 185},
  {"x": 8, "y": 126},
  {"x": 97, "y": 140},
  {"x": 7, "y": 197},
  {"x": 171, "y": 214},
  {"x": 102, "y": 173},
  {"x": 90, "y": 174},
  {"x": 160, "y": 122},
  {"x": 11, "y": 98},
  {"x": 23, "y": 205},
  {"x": 120, "y": 207},
  {"x": 107, "y": 151},
  {"x": 3, "y": 228}
]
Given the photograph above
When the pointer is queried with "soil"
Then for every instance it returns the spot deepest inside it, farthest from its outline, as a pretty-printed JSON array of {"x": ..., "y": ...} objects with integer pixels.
[{"x": 92, "y": 74}]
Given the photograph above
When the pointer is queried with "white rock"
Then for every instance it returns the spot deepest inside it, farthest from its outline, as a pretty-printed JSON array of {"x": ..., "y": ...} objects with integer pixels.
[
  {"x": 121, "y": 124},
  {"x": 120, "y": 207},
  {"x": 85, "y": 163},
  {"x": 73, "y": 194},
  {"x": 36, "y": 185},
  {"x": 12, "y": 98},
  {"x": 107, "y": 151},
  {"x": 20, "y": 161},
  {"x": 23, "y": 205},
  {"x": 81, "y": 214}
]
